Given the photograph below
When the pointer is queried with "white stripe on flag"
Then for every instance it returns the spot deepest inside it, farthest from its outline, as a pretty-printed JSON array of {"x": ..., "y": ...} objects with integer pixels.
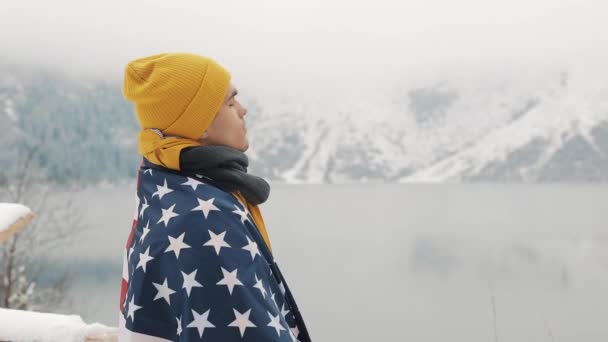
[{"x": 125, "y": 267}]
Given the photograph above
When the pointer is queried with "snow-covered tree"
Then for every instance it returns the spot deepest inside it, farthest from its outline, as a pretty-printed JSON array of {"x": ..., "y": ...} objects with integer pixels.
[{"x": 56, "y": 223}]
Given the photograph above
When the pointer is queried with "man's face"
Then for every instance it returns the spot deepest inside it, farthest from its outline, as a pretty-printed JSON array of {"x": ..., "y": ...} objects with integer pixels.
[{"x": 228, "y": 127}]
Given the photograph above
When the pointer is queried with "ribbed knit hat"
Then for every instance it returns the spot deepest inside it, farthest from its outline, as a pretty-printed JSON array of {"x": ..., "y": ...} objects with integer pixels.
[{"x": 176, "y": 93}]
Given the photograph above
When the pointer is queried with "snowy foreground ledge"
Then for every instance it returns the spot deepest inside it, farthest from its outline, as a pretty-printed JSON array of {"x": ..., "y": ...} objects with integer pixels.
[
  {"x": 13, "y": 217},
  {"x": 29, "y": 326}
]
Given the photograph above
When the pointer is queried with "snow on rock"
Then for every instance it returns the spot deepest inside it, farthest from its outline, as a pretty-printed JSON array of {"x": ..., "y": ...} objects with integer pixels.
[
  {"x": 18, "y": 325},
  {"x": 532, "y": 120},
  {"x": 13, "y": 217},
  {"x": 9, "y": 110}
]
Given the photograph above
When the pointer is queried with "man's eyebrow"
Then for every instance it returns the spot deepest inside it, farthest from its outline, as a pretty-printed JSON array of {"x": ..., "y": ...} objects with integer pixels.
[{"x": 234, "y": 93}]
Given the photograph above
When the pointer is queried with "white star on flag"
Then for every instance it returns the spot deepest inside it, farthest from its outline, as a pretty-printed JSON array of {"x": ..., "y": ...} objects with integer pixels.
[
  {"x": 163, "y": 291},
  {"x": 217, "y": 241},
  {"x": 176, "y": 245},
  {"x": 190, "y": 281},
  {"x": 275, "y": 322},
  {"x": 260, "y": 286},
  {"x": 144, "y": 258},
  {"x": 230, "y": 279},
  {"x": 146, "y": 231},
  {"x": 162, "y": 190},
  {"x": 144, "y": 206},
  {"x": 146, "y": 171},
  {"x": 168, "y": 214},
  {"x": 242, "y": 321},
  {"x": 241, "y": 213},
  {"x": 193, "y": 183},
  {"x": 283, "y": 311},
  {"x": 200, "y": 322},
  {"x": 179, "y": 326},
  {"x": 252, "y": 247},
  {"x": 206, "y": 206},
  {"x": 132, "y": 308}
]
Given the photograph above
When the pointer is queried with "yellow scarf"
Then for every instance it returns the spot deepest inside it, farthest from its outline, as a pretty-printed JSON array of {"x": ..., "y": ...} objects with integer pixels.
[
  {"x": 162, "y": 151},
  {"x": 255, "y": 212}
]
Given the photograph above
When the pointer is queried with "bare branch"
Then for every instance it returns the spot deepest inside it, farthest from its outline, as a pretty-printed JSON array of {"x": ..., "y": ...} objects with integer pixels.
[{"x": 56, "y": 224}]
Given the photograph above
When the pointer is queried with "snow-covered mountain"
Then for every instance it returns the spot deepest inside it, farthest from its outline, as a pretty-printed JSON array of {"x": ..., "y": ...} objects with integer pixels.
[
  {"x": 553, "y": 129},
  {"x": 521, "y": 125},
  {"x": 518, "y": 124}
]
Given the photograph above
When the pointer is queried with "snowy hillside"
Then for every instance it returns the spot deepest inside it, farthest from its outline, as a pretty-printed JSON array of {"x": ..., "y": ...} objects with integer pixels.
[
  {"x": 557, "y": 131},
  {"x": 79, "y": 129},
  {"x": 517, "y": 124}
]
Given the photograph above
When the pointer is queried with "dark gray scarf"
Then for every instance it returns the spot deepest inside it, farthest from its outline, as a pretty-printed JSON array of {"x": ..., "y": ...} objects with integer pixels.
[{"x": 227, "y": 167}]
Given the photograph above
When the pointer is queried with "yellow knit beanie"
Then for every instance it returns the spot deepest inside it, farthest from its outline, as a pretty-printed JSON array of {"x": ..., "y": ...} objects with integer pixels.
[{"x": 178, "y": 94}]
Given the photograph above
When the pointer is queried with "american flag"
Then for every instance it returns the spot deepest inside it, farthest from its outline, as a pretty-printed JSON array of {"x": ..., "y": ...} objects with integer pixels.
[{"x": 196, "y": 268}]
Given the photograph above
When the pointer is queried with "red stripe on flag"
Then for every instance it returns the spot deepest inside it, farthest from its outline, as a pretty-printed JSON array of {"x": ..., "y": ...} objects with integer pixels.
[
  {"x": 130, "y": 239},
  {"x": 124, "y": 283},
  {"x": 123, "y": 294}
]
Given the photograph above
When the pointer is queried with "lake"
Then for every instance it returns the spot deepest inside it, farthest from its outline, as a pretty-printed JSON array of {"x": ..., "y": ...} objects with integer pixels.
[{"x": 407, "y": 262}]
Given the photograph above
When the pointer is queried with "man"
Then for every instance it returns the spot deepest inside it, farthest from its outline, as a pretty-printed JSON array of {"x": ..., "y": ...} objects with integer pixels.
[{"x": 198, "y": 264}]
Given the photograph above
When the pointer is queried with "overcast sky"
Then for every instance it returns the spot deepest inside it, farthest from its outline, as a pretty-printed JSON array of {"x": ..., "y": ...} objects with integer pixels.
[{"x": 307, "y": 39}]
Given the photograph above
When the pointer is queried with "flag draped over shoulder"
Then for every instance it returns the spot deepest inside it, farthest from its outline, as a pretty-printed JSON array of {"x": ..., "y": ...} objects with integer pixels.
[{"x": 196, "y": 268}]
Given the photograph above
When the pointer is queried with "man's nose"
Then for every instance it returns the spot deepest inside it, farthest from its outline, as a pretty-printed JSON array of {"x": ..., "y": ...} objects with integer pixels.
[{"x": 244, "y": 112}]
